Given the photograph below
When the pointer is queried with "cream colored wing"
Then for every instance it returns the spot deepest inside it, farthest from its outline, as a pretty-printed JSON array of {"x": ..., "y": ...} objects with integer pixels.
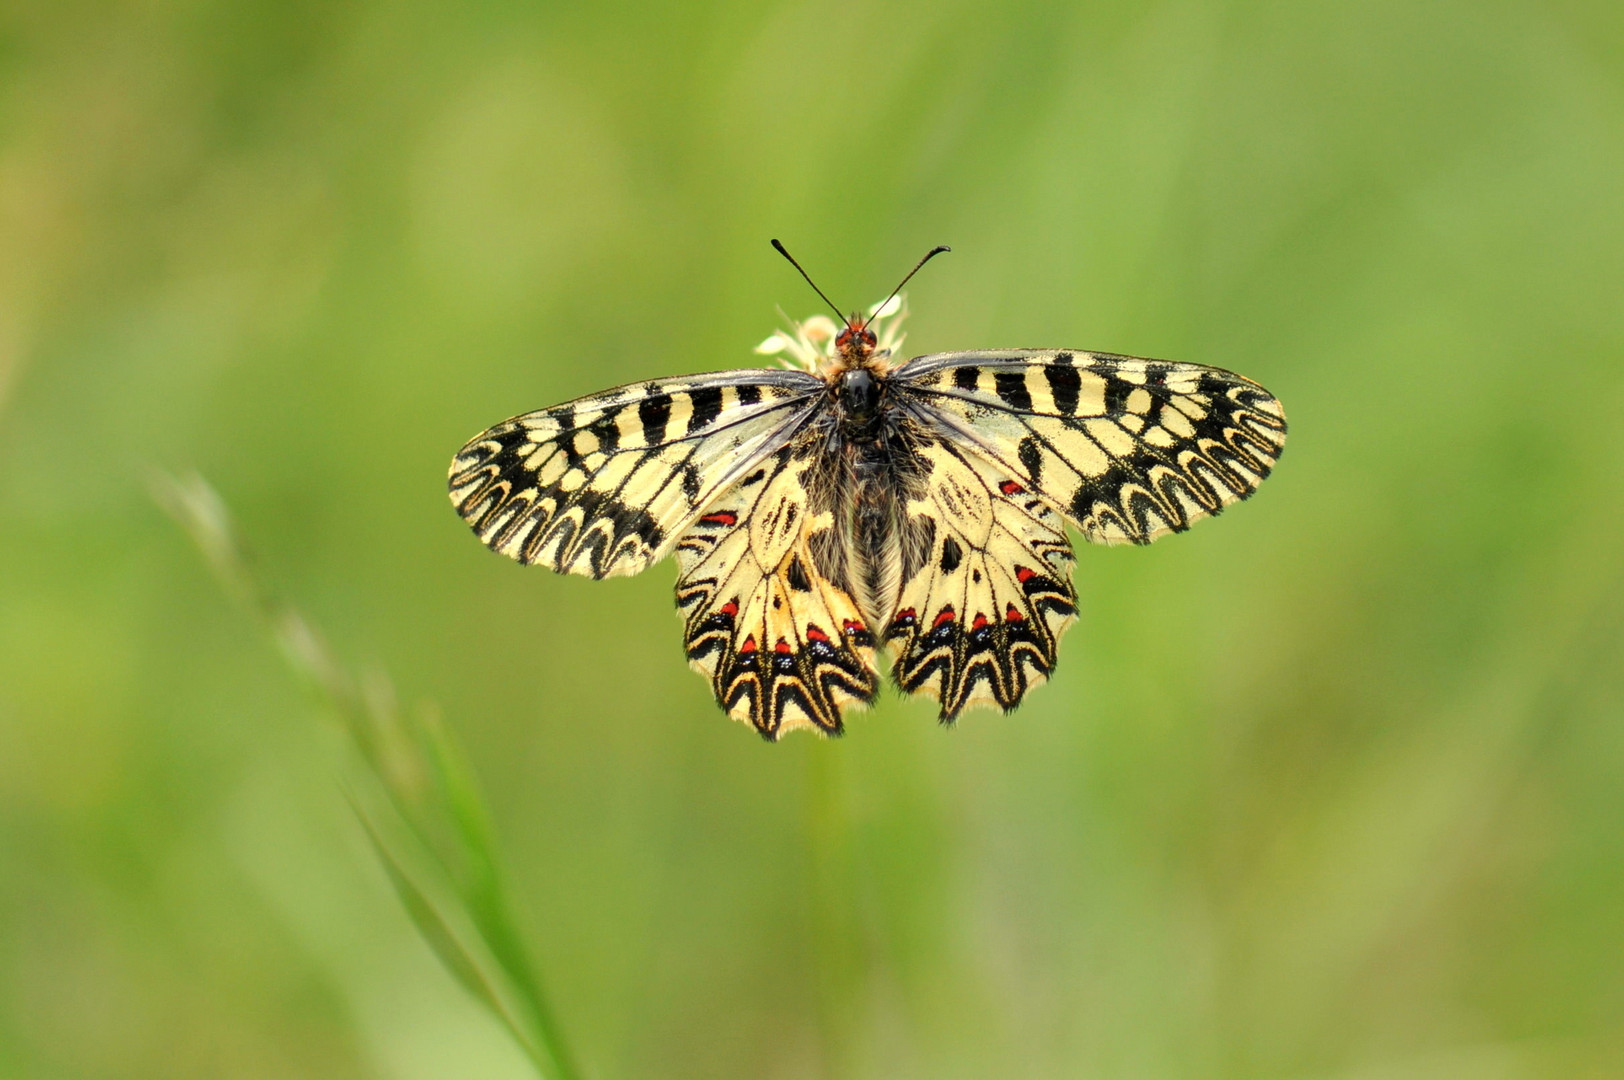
[
  {"x": 783, "y": 645},
  {"x": 980, "y": 617},
  {"x": 605, "y": 484},
  {"x": 1128, "y": 449}
]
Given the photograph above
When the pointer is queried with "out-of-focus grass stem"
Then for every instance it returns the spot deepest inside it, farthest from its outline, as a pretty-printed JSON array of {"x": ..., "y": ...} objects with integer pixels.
[{"x": 412, "y": 789}]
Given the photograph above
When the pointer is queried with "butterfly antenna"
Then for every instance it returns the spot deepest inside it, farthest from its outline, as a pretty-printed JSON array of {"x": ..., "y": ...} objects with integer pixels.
[
  {"x": 929, "y": 255},
  {"x": 809, "y": 280}
]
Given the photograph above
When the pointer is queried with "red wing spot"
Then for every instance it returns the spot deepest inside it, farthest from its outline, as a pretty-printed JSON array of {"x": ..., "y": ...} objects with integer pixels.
[
  {"x": 1010, "y": 487},
  {"x": 946, "y": 616},
  {"x": 852, "y": 626},
  {"x": 1011, "y": 615},
  {"x": 749, "y": 645},
  {"x": 814, "y": 634},
  {"x": 1024, "y": 574},
  {"x": 722, "y": 517},
  {"x": 782, "y": 647},
  {"x": 980, "y": 621},
  {"x": 729, "y": 609},
  {"x": 907, "y": 613}
]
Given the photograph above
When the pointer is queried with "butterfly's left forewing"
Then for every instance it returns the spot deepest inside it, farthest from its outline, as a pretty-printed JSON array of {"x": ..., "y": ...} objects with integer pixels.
[{"x": 604, "y": 485}]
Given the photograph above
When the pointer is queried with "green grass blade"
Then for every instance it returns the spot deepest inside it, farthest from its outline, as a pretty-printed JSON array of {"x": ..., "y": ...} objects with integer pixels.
[{"x": 426, "y": 819}]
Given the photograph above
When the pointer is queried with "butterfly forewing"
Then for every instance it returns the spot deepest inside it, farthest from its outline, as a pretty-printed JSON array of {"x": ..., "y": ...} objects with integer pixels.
[
  {"x": 1128, "y": 449},
  {"x": 605, "y": 484}
]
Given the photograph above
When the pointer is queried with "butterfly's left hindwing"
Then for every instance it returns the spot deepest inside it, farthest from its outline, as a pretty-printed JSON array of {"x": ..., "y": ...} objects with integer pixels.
[
  {"x": 783, "y": 645},
  {"x": 605, "y": 484}
]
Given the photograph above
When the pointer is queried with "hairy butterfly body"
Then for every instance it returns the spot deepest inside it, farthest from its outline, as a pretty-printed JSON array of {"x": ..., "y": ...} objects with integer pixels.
[{"x": 821, "y": 512}]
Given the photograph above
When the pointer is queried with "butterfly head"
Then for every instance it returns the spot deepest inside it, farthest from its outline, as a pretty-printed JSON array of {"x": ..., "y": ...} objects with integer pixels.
[{"x": 856, "y": 343}]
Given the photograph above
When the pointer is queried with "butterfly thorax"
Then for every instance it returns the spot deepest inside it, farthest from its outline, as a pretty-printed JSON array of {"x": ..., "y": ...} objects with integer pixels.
[
  {"x": 868, "y": 460},
  {"x": 860, "y": 401}
]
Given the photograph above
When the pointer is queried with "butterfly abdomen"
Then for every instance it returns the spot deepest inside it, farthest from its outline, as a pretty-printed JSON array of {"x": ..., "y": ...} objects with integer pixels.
[{"x": 873, "y": 528}]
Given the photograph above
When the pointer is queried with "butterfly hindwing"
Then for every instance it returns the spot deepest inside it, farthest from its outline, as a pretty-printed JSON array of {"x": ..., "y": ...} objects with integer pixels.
[
  {"x": 605, "y": 484},
  {"x": 1128, "y": 449},
  {"x": 979, "y": 620},
  {"x": 783, "y": 645}
]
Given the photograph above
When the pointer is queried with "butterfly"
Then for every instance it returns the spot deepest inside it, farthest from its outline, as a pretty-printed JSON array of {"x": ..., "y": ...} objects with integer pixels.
[{"x": 845, "y": 503}]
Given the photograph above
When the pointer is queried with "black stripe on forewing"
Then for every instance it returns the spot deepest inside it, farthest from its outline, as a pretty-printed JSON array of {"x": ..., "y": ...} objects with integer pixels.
[
  {"x": 676, "y": 472},
  {"x": 1245, "y": 402},
  {"x": 676, "y": 391},
  {"x": 562, "y": 425},
  {"x": 1063, "y": 372},
  {"x": 1065, "y": 385},
  {"x": 1010, "y": 386},
  {"x": 706, "y": 402},
  {"x": 1197, "y": 465},
  {"x": 512, "y": 502},
  {"x": 654, "y": 410}
]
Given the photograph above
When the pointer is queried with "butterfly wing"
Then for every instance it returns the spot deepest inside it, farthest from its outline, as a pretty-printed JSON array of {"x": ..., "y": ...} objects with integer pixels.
[
  {"x": 989, "y": 591},
  {"x": 604, "y": 485},
  {"x": 767, "y": 618},
  {"x": 1128, "y": 449}
]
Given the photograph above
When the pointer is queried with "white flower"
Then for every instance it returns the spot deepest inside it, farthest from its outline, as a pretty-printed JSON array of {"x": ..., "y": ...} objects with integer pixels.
[
  {"x": 810, "y": 345},
  {"x": 885, "y": 320}
]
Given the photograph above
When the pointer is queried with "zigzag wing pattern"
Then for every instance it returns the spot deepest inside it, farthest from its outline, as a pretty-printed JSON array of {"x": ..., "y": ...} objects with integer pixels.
[
  {"x": 1128, "y": 449},
  {"x": 783, "y": 645},
  {"x": 604, "y": 485},
  {"x": 980, "y": 619}
]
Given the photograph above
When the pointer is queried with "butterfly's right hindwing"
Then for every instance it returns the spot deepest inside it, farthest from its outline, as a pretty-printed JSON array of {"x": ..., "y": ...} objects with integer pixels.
[
  {"x": 980, "y": 616},
  {"x": 605, "y": 485}
]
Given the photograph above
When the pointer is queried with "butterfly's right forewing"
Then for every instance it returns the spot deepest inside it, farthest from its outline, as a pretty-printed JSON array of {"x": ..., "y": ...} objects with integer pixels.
[{"x": 1128, "y": 449}]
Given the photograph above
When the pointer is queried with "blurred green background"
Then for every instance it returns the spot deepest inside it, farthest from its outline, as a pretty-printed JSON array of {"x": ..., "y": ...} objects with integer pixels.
[{"x": 1332, "y": 787}]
